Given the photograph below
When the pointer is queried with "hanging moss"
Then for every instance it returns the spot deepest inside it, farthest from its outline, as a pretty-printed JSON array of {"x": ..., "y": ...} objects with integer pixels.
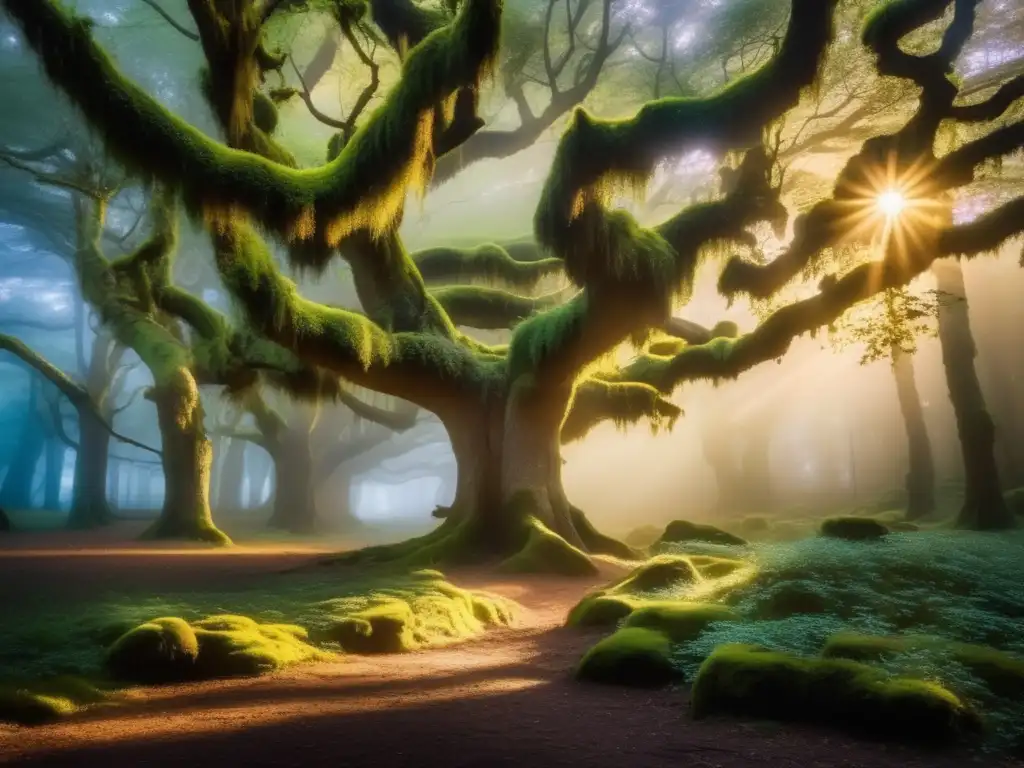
[{"x": 365, "y": 186}]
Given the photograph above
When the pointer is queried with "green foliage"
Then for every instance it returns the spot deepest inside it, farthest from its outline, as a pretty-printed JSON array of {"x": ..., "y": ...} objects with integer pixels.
[
  {"x": 854, "y": 528},
  {"x": 890, "y": 324},
  {"x": 683, "y": 530},
  {"x": 748, "y": 680},
  {"x": 43, "y": 701},
  {"x": 631, "y": 656}
]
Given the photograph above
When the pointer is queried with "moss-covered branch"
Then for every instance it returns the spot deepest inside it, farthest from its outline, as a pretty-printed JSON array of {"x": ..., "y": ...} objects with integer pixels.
[
  {"x": 399, "y": 419},
  {"x": 488, "y": 261},
  {"x": 365, "y": 186},
  {"x": 623, "y": 402},
  {"x": 492, "y": 308},
  {"x": 728, "y": 358}
]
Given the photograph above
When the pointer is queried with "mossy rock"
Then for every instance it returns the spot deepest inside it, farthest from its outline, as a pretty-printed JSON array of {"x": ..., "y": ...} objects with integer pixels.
[
  {"x": 754, "y": 525},
  {"x": 680, "y": 621},
  {"x": 159, "y": 651},
  {"x": 601, "y": 610},
  {"x": 854, "y": 528},
  {"x": 751, "y": 681},
  {"x": 546, "y": 552},
  {"x": 681, "y": 531},
  {"x": 790, "y": 598},
  {"x": 643, "y": 536},
  {"x": 659, "y": 572},
  {"x": 632, "y": 656},
  {"x": 45, "y": 701},
  {"x": 1002, "y": 673}
]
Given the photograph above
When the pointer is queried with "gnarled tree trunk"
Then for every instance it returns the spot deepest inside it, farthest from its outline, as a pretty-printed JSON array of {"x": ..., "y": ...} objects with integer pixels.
[
  {"x": 920, "y": 480},
  {"x": 54, "y": 476},
  {"x": 984, "y": 507},
  {"x": 89, "y": 506},
  {"x": 187, "y": 461}
]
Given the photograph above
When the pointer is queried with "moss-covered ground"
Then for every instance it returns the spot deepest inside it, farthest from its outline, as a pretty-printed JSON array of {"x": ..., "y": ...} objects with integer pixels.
[
  {"x": 932, "y": 617},
  {"x": 57, "y": 660}
]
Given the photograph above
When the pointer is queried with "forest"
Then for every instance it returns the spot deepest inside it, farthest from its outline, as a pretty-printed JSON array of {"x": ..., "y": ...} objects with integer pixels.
[{"x": 477, "y": 382}]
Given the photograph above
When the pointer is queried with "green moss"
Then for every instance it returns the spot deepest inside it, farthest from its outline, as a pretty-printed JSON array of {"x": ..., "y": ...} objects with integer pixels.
[
  {"x": 396, "y": 621},
  {"x": 854, "y": 528},
  {"x": 162, "y": 650},
  {"x": 661, "y": 572},
  {"x": 747, "y": 680},
  {"x": 601, "y": 610},
  {"x": 683, "y": 530},
  {"x": 365, "y": 185},
  {"x": 544, "y": 335},
  {"x": 1002, "y": 673},
  {"x": 631, "y": 656},
  {"x": 545, "y": 551},
  {"x": 488, "y": 262},
  {"x": 490, "y": 308},
  {"x": 715, "y": 567},
  {"x": 783, "y": 599},
  {"x": 680, "y": 621},
  {"x": 171, "y": 650},
  {"x": 44, "y": 701}
]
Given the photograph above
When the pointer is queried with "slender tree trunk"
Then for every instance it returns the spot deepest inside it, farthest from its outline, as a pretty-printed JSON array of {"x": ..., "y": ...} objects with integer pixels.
[
  {"x": 984, "y": 507},
  {"x": 340, "y": 518},
  {"x": 187, "y": 460},
  {"x": 114, "y": 484},
  {"x": 89, "y": 506},
  {"x": 5, "y": 522},
  {"x": 1009, "y": 419},
  {"x": 720, "y": 455},
  {"x": 920, "y": 480},
  {"x": 755, "y": 483},
  {"x": 54, "y": 477},
  {"x": 232, "y": 473}
]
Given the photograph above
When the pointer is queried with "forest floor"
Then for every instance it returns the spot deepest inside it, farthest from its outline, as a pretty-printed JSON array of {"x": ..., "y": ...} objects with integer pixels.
[{"x": 507, "y": 699}]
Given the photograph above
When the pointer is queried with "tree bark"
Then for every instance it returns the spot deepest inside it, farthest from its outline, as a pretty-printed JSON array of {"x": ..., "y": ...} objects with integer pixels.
[
  {"x": 1004, "y": 385},
  {"x": 89, "y": 505},
  {"x": 5, "y": 522},
  {"x": 295, "y": 508},
  {"x": 984, "y": 507},
  {"x": 187, "y": 461},
  {"x": 920, "y": 480},
  {"x": 54, "y": 477},
  {"x": 232, "y": 473}
]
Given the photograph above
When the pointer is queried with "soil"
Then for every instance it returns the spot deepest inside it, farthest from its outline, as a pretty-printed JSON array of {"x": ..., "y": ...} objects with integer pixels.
[{"x": 507, "y": 699}]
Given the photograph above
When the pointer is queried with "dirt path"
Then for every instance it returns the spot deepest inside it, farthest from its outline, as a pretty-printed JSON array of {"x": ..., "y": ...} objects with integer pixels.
[{"x": 504, "y": 700}]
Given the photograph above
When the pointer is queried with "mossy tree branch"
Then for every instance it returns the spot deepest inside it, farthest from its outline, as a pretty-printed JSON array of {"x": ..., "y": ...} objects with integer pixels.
[{"x": 363, "y": 187}]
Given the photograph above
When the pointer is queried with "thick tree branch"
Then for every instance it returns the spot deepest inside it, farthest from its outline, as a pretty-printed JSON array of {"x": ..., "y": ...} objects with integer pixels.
[{"x": 492, "y": 308}]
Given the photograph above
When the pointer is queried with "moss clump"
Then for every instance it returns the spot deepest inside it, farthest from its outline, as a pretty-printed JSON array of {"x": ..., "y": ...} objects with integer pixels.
[
  {"x": 170, "y": 650},
  {"x": 396, "y": 621},
  {"x": 608, "y": 606},
  {"x": 632, "y": 656},
  {"x": 659, "y": 572},
  {"x": 748, "y": 680},
  {"x": 162, "y": 650},
  {"x": 680, "y": 621},
  {"x": 547, "y": 552},
  {"x": 854, "y": 528},
  {"x": 1002, "y": 673},
  {"x": 601, "y": 610},
  {"x": 47, "y": 700},
  {"x": 683, "y": 530}
]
